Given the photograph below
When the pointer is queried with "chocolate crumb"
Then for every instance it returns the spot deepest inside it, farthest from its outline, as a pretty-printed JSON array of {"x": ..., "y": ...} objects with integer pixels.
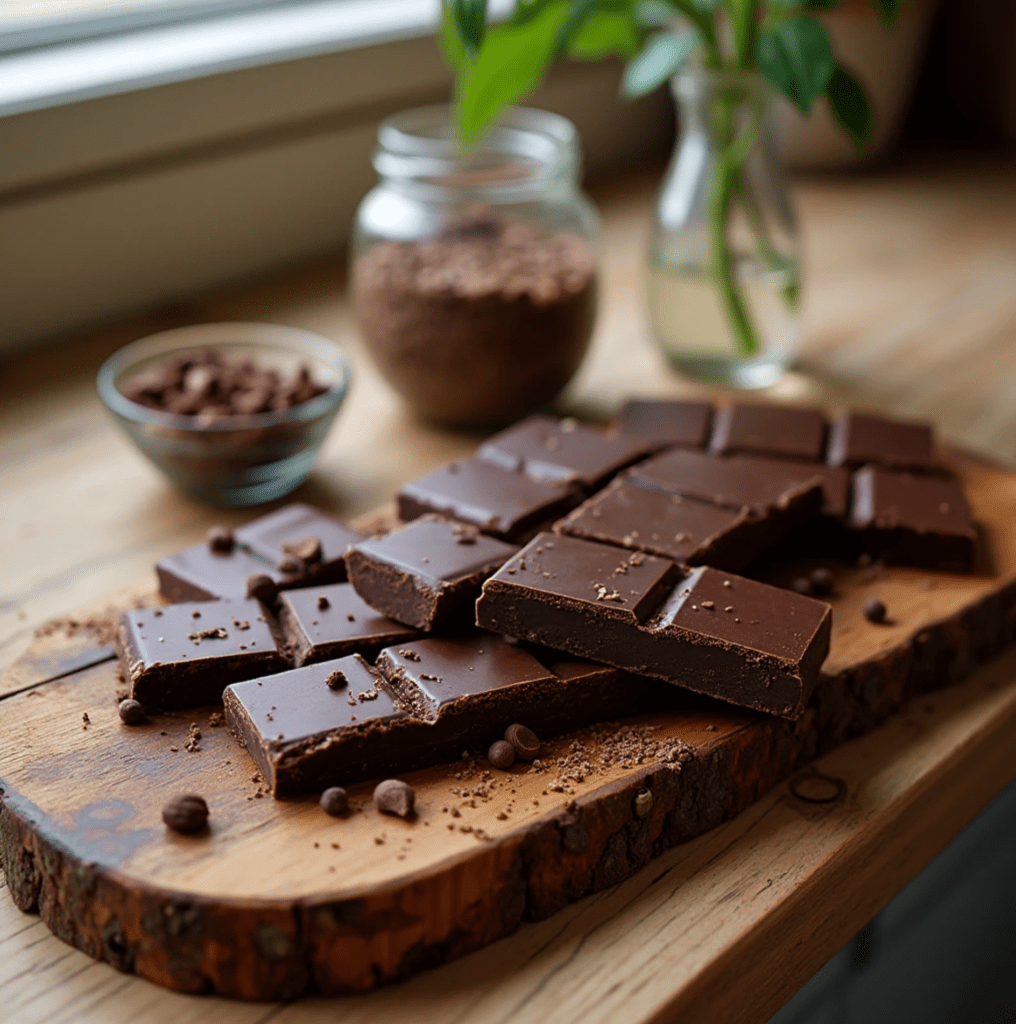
[
  {"x": 263, "y": 587},
  {"x": 308, "y": 550},
  {"x": 85, "y": 720},
  {"x": 350, "y": 616},
  {"x": 337, "y": 680},
  {"x": 323, "y": 603}
]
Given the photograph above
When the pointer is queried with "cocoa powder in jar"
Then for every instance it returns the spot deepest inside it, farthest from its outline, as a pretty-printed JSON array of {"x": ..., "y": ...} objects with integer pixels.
[{"x": 482, "y": 324}]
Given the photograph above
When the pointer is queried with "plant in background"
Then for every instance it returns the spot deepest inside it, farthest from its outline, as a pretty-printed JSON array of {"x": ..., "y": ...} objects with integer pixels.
[{"x": 498, "y": 65}]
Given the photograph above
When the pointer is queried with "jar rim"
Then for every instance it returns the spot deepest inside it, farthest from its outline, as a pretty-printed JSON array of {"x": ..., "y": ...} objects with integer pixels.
[{"x": 526, "y": 147}]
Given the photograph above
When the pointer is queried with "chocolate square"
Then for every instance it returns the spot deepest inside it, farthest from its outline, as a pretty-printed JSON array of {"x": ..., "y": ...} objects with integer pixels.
[
  {"x": 186, "y": 654},
  {"x": 200, "y": 574},
  {"x": 919, "y": 520},
  {"x": 777, "y": 430},
  {"x": 666, "y": 424},
  {"x": 427, "y": 574},
  {"x": 318, "y": 726},
  {"x": 504, "y": 503},
  {"x": 321, "y": 623},
  {"x": 855, "y": 439},
  {"x": 706, "y": 630},
  {"x": 267, "y": 536},
  {"x": 552, "y": 449}
]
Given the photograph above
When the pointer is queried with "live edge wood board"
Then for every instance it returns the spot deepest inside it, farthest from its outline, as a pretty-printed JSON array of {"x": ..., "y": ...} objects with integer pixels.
[{"x": 278, "y": 899}]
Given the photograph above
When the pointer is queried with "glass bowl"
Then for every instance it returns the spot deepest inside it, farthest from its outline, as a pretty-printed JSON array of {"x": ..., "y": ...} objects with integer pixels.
[{"x": 235, "y": 460}]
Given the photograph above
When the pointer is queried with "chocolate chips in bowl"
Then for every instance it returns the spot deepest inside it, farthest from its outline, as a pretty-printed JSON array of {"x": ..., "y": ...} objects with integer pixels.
[{"x": 232, "y": 413}]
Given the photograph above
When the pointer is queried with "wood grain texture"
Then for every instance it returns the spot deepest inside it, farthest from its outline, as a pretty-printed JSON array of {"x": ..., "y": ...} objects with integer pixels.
[
  {"x": 910, "y": 307},
  {"x": 279, "y": 898}
]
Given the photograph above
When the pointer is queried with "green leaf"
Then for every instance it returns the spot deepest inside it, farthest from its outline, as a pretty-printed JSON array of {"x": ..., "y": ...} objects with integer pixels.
[
  {"x": 654, "y": 14},
  {"x": 661, "y": 57},
  {"x": 851, "y": 106},
  {"x": 605, "y": 34},
  {"x": 797, "y": 57},
  {"x": 889, "y": 10},
  {"x": 512, "y": 62},
  {"x": 451, "y": 46},
  {"x": 469, "y": 17},
  {"x": 577, "y": 17},
  {"x": 807, "y": 5}
]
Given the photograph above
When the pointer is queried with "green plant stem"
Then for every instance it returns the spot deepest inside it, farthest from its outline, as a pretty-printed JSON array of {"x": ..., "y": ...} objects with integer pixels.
[{"x": 726, "y": 181}]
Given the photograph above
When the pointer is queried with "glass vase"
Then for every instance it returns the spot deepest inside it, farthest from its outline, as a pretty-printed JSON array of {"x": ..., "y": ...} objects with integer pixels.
[{"x": 724, "y": 272}]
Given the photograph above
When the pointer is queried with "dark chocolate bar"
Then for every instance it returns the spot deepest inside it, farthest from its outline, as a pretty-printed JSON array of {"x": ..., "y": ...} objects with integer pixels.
[
  {"x": 342, "y": 721},
  {"x": 504, "y": 503},
  {"x": 684, "y": 529},
  {"x": 270, "y": 535},
  {"x": 919, "y": 520},
  {"x": 186, "y": 654},
  {"x": 706, "y": 630},
  {"x": 200, "y": 573},
  {"x": 666, "y": 424},
  {"x": 553, "y": 449},
  {"x": 428, "y": 574},
  {"x": 856, "y": 439},
  {"x": 777, "y": 430},
  {"x": 321, "y": 623}
]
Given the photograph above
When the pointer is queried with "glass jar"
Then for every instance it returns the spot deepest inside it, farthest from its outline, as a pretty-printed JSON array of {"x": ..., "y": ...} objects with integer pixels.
[
  {"x": 474, "y": 273},
  {"x": 724, "y": 272}
]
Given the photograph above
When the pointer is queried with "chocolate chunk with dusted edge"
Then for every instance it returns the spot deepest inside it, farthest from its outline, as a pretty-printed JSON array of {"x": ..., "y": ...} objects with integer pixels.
[
  {"x": 685, "y": 529},
  {"x": 552, "y": 449},
  {"x": 345, "y": 625},
  {"x": 706, "y": 630},
  {"x": 919, "y": 520},
  {"x": 769, "y": 430},
  {"x": 504, "y": 503},
  {"x": 855, "y": 439},
  {"x": 201, "y": 573},
  {"x": 274, "y": 537},
  {"x": 428, "y": 574},
  {"x": 667, "y": 424},
  {"x": 177, "y": 659}
]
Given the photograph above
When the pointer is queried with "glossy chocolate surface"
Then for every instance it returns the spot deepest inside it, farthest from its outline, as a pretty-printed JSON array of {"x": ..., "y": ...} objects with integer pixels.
[
  {"x": 200, "y": 574},
  {"x": 703, "y": 629},
  {"x": 684, "y": 529},
  {"x": 855, "y": 439},
  {"x": 345, "y": 625},
  {"x": 769, "y": 430},
  {"x": 667, "y": 424},
  {"x": 266, "y": 536},
  {"x": 500, "y": 502},
  {"x": 426, "y": 574},
  {"x": 186, "y": 654},
  {"x": 553, "y": 449}
]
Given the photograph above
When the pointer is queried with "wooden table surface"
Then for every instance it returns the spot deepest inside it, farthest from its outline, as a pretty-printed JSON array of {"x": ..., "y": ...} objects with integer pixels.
[{"x": 910, "y": 278}]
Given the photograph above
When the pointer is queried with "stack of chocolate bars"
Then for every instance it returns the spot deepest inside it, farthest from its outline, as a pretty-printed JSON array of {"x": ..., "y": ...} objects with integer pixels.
[{"x": 564, "y": 575}]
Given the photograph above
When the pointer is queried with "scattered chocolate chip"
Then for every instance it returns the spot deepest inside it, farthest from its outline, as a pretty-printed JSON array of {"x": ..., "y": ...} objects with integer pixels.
[
  {"x": 263, "y": 587},
  {"x": 337, "y": 680},
  {"x": 323, "y": 603},
  {"x": 643, "y": 803},
  {"x": 821, "y": 582},
  {"x": 501, "y": 755},
  {"x": 85, "y": 720},
  {"x": 308, "y": 550},
  {"x": 187, "y": 813},
  {"x": 195, "y": 614},
  {"x": 875, "y": 610},
  {"x": 802, "y": 585},
  {"x": 220, "y": 538},
  {"x": 131, "y": 712},
  {"x": 525, "y": 741},
  {"x": 393, "y": 796},
  {"x": 335, "y": 801}
]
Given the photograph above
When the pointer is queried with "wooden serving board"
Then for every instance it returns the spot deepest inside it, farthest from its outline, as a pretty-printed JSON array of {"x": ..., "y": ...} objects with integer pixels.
[{"x": 278, "y": 899}]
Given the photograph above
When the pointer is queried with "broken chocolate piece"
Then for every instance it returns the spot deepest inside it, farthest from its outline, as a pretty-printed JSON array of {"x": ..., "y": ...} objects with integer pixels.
[
  {"x": 201, "y": 573},
  {"x": 501, "y": 502},
  {"x": 348, "y": 625},
  {"x": 551, "y": 449},
  {"x": 667, "y": 424},
  {"x": 856, "y": 439},
  {"x": 263, "y": 587},
  {"x": 918, "y": 520},
  {"x": 170, "y": 664},
  {"x": 647, "y": 615},
  {"x": 424, "y": 575},
  {"x": 776, "y": 430}
]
